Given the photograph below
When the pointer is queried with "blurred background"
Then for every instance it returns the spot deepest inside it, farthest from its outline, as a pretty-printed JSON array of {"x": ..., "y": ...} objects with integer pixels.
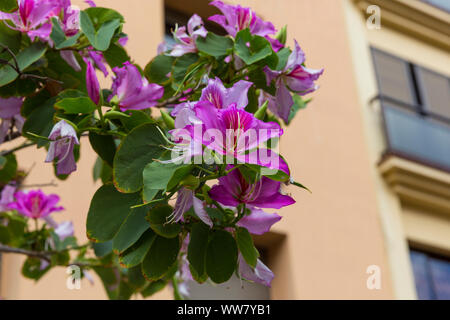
[{"x": 373, "y": 146}]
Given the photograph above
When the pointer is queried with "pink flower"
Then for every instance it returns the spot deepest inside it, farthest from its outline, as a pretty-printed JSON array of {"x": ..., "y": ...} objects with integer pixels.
[
  {"x": 132, "y": 90},
  {"x": 237, "y": 18},
  {"x": 32, "y": 17},
  {"x": 92, "y": 84},
  {"x": 233, "y": 189},
  {"x": 186, "y": 38},
  {"x": 10, "y": 114},
  {"x": 295, "y": 77},
  {"x": 35, "y": 204},
  {"x": 63, "y": 138}
]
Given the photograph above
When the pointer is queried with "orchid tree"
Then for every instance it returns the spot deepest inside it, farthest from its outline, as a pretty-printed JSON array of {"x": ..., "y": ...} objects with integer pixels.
[{"x": 187, "y": 145}]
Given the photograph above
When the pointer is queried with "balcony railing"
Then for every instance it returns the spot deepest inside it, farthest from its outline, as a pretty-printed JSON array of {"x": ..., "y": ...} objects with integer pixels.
[{"x": 414, "y": 136}]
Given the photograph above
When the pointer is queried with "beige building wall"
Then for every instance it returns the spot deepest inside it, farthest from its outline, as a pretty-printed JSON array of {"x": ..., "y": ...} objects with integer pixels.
[{"x": 330, "y": 236}]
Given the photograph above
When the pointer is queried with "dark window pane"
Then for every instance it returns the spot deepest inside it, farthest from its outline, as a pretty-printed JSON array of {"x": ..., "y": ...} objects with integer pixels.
[
  {"x": 394, "y": 77},
  {"x": 421, "y": 276},
  {"x": 435, "y": 92},
  {"x": 440, "y": 271},
  {"x": 410, "y": 134}
]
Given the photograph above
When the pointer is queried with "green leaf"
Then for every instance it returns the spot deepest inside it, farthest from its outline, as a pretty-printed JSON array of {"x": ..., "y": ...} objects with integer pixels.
[
  {"x": 142, "y": 145},
  {"x": 135, "y": 118},
  {"x": 34, "y": 102},
  {"x": 131, "y": 230},
  {"x": 182, "y": 66},
  {"x": 9, "y": 170},
  {"x": 283, "y": 56},
  {"x": 101, "y": 15},
  {"x": 32, "y": 269},
  {"x": 259, "y": 48},
  {"x": 137, "y": 252},
  {"x": 136, "y": 279},
  {"x": 246, "y": 247},
  {"x": 157, "y": 70},
  {"x": 3, "y": 161},
  {"x": 9, "y": 38},
  {"x": 298, "y": 105},
  {"x": 153, "y": 288},
  {"x": 82, "y": 105},
  {"x": 110, "y": 279},
  {"x": 158, "y": 218},
  {"x": 116, "y": 55},
  {"x": 40, "y": 122},
  {"x": 104, "y": 146},
  {"x": 25, "y": 58},
  {"x": 8, "y": 6},
  {"x": 59, "y": 37},
  {"x": 214, "y": 45},
  {"x": 125, "y": 291},
  {"x": 198, "y": 244},
  {"x": 108, "y": 210},
  {"x": 102, "y": 171},
  {"x": 101, "y": 38},
  {"x": 180, "y": 174},
  {"x": 157, "y": 176},
  {"x": 168, "y": 120},
  {"x": 162, "y": 255},
  {"x": 221, "y": 256},
  {"x": 102, "y": 249}
]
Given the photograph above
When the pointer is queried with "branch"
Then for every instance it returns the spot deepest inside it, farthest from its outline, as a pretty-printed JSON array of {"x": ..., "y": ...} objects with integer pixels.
[
  {"x": 30, "y": 253},
  {"x": 23, "y": 146},
  {"x": 16, "y": 67},
  {"x": 172, "y": 100}
]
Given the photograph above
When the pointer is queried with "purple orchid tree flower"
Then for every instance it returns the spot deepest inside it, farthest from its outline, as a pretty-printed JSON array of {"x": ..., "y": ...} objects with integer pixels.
[
  {"x": 35, "y": 204},
  {"x": 185, "y": 201},
  {"x": 91, "y": 3},
  {"x": 64, "y": 138},
  {"x": 123, "y": 41},
  {"x": 92, "y": 84},
  {"x": 294, "y": 77},
  {"x": 260, "y": 274},
  {"x": 216, "y": 93},
  {"x": 70, "y": 22},
  {"x": 97, "y": 59},
  {"x": 186, "y": 38},
  {"x": 237, "y": 18},
  {"x": 233, "y": 133},
  {"x": 10, "y": 114},
  {"x": 233, "y": 189},
  {"x": 7, "y": 196},
  {"x": 258, "y": 221},
  {"x": 32, "y": 17},
  {"x": 64, "y": 230},
  {"x": 132, "y": 90}
]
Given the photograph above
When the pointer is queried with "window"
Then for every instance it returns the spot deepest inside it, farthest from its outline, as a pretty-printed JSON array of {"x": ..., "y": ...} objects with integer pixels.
[
  {"x": 432, "y": 276},
  {"x": 394, "y": 78},
  {"x": 416, "y": 110},
  {"x": 441, "y": 4},
  {"x": 435, "y": 91}
]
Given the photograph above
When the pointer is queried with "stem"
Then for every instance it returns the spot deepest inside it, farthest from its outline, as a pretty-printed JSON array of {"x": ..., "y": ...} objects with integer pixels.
[
  {"x": 204, "y": 169},
  {"x": 23, "y": 146},
  {"x": 30, "y": 253}
]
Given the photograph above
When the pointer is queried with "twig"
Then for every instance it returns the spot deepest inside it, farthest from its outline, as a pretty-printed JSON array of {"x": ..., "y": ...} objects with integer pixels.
[
  {"x": 16, "y": 67},
  {"x": 39, "y": 185},
  {"x": 23, "y": 146},
  {"x": 30, "y": 253}
]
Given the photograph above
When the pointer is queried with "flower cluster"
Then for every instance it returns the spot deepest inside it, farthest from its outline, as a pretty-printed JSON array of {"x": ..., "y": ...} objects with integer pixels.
[{"x": 223, "y": 103}]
